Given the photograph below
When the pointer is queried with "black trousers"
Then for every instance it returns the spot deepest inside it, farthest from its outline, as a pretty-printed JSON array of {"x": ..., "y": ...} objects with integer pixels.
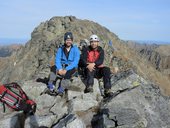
[
  {"x": 99, "y": 73},
  {"x": 68, "y": 74}
]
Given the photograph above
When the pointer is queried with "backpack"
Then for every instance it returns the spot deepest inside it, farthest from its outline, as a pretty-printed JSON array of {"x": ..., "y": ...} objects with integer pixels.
[{"x": 15, "y": 98}]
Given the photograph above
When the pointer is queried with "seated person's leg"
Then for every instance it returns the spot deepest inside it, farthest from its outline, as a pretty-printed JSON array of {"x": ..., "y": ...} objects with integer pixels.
[
  {"x": 105, "y": 71},
  {"x": 90, "y": 81},
  {"x": 52, "y": 78},
  {"x": 70, "y": 73},
  {"x": 65, "y": 81}
]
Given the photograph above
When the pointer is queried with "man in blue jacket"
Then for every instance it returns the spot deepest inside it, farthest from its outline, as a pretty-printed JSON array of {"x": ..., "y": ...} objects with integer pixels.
[{"x": 66, "y": 63}]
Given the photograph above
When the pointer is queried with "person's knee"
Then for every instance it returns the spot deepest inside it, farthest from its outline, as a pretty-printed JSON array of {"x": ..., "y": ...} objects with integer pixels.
[
  {"x": 70, "y": 73},
  {"x": 106, "y": 69}
]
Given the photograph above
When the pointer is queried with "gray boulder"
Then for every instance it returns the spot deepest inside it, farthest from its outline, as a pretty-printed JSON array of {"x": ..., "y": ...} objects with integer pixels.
[{"x": 138, "y": 103}]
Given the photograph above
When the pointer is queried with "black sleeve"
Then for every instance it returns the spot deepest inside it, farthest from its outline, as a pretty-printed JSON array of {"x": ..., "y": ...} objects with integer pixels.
[
  {"x": 100, "y": 60},
  {"x": 83, "y": 58}
]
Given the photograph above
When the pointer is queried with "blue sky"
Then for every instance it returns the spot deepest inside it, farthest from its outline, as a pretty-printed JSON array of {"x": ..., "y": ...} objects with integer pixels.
[{"x": 129, "y": 19}]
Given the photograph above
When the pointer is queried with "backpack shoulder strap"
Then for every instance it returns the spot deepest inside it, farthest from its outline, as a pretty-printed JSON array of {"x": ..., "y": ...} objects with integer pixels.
[{"x": 3, "y": 107}]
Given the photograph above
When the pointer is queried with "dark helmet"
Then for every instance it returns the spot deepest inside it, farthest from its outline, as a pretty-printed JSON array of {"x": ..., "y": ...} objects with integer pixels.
[{"x": 68, "y": 35}]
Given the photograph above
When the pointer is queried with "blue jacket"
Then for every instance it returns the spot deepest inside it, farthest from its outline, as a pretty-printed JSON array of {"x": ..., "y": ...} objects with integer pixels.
[{"x": 72, "y": 61}]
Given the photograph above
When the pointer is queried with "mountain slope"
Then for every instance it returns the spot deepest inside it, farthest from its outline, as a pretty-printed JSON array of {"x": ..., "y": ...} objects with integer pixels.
[
  {"x": 157, "y": 55},
  {"x": 32, "y": 61},
  {"x": 137, "y": 102},
  {"x": 8, "y": 50}
]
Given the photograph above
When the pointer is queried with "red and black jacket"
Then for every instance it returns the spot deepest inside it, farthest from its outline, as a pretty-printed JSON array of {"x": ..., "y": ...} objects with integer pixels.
[{"x": 90, "y": 55}]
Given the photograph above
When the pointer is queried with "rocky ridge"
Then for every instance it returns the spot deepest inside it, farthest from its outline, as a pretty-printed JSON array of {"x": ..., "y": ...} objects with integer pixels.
[
  {"x": 33, "y": 60},
  {"x": 157, "y": 55},
  {"x": 138, "y": 101}
]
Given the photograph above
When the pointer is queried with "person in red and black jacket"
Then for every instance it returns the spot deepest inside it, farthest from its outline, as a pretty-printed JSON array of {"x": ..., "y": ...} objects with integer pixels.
[{"x": 91, "y": 60}]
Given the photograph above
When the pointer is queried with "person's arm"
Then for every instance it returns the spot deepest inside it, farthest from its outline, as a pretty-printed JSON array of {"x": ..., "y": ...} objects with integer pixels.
[
  {"x": 58, "y": 59},
  {"x": 100, "y": 60},
  {"x": 76, "y": 59}
]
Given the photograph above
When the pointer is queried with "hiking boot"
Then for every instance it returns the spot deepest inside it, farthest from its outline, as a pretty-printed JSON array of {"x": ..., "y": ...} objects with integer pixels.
[
  {"x": 60, "y": 91},
  {"x": 108, "y": 93},
  {"x": 88, "y": 89}
]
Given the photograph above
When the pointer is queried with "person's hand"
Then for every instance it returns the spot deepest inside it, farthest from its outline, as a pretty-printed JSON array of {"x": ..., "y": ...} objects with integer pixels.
[
  {"x": 62, "y": 72},
  {"x": 59, "y": 72},
  {"x": 91, "y": 66}
]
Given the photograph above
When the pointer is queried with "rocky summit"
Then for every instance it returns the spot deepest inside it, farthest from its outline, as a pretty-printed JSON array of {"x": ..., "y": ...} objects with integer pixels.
[{"x": 140, "y": 97}]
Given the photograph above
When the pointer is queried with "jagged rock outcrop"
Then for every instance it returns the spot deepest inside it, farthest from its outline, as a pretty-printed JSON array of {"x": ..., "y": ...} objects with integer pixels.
[
  {"x": 157, "y": 55},
  {"x": 138, "y": 106},
  {"x": 136, "y": 103}
]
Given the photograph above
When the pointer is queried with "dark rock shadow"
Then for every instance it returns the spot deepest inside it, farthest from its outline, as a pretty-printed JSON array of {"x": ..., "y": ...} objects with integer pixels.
[
  {"x": 97, "y": 121},
  {"x": 100, "y": 119},
  {"x": 18, "y": 121},
  {"x": 43, "y": 80}
]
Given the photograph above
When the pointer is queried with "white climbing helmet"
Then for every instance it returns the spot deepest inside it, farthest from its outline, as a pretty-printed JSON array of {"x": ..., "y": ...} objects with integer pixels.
[{"x": 94, "y": 38}]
